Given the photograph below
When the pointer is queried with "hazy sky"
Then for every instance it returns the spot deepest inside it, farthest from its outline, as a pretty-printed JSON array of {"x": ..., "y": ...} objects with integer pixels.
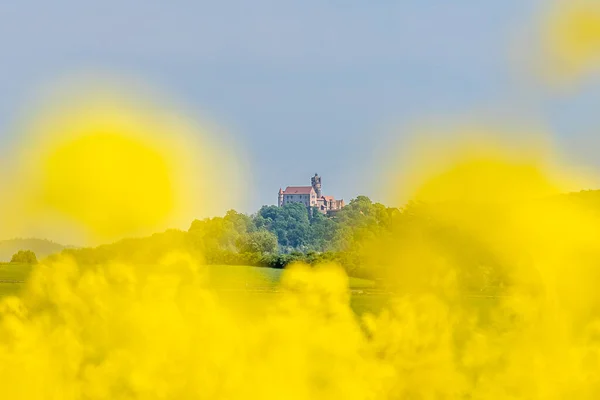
[{"x": 304, "y": 86}]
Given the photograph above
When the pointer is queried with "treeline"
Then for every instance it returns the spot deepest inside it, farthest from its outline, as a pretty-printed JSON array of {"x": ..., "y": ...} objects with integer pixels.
[
  {"x": 418, "y": 245},
  {"x": 276, "y": 236},
  {"x": 40, "y": 247},
  {"x": 272, "y": 237}
]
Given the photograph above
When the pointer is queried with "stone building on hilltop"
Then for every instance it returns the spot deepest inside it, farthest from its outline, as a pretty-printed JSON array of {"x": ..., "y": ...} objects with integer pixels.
[{"x": 310, "y": 196}]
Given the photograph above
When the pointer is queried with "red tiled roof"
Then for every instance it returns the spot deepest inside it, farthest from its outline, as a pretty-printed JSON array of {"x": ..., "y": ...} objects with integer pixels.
[
  {"x": 298, "y": 190},
  {"x": 328, "y": 198}
]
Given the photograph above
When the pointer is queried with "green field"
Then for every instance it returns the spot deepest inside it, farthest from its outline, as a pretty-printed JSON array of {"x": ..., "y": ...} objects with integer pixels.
[
  {"x": 236, "y": 275},
  {"x": 9, "y": 273},
  {"x": 14, "y": 271},
  {"x": 10, "y": 289},
  {"x": 264, "y": 280}
]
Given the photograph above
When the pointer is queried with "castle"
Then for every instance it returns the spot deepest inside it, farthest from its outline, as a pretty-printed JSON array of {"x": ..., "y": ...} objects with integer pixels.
[{"x": 310, "y": 196}]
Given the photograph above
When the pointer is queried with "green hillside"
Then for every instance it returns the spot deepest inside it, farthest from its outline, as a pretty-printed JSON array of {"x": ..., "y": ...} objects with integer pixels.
[{"x": 40, "y": 247}]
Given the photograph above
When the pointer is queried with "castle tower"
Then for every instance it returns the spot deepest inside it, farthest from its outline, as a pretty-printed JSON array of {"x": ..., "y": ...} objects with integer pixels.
[
  {"x": 316, "y": 184},
  {"x": 280, "y": 198}
]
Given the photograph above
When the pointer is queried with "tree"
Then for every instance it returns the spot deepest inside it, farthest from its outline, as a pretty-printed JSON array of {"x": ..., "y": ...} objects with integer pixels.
[
  {"x": 322, "y": 231},
  {"x": 24, "y": 257},
  {"x": 261, "y": 241},
  {"x": 289, "y": 223},
  {"x": 220, "y": 233}
]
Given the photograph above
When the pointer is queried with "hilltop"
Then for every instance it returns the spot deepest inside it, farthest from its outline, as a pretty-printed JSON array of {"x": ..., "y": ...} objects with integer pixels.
[{"x": 41, "y": 247}]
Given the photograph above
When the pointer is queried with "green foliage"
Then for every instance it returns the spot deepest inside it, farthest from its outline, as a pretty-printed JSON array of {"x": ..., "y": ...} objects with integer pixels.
[
  {"x": 220, "y": 232},
  {"x": 218, "y": 239},
  {"x": 260, "y": 241},
  {"x": 24, "y": 257},
  {"x": 289, "y": 223},
  {"x": 273, "y": 237},
  {"x": 146, "y": 250},
  {"x": 42, "y": 248},
  {"x": 300, "y": 229},
  {"x": 277, "y": 236},
  {"x": 322, "y": 232}
]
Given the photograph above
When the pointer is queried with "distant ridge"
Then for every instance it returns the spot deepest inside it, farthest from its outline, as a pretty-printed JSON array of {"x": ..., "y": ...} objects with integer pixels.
[{"x": 41, "y": 247}]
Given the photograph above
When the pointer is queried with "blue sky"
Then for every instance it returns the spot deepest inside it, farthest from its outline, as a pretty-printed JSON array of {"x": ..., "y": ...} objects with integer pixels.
[{"x": 273, "y": 72}]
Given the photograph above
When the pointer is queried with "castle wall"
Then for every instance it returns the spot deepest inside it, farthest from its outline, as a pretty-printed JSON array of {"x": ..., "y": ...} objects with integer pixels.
[{"x": 297, "y": 198}]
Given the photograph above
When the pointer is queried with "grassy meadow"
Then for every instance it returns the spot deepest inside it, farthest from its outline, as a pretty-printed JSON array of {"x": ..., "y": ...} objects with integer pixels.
[
  {"x": 261, "y": 283},
  {"x": 11, "y": 276}
]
